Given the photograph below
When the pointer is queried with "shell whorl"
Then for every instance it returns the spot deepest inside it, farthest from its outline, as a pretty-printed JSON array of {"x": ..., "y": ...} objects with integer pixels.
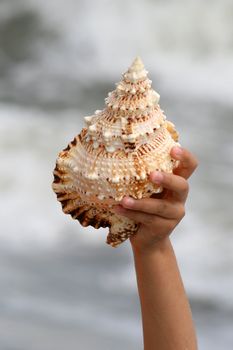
[
  {"x": 114, "y": 155},
  {"x": 131, "y": 115}
]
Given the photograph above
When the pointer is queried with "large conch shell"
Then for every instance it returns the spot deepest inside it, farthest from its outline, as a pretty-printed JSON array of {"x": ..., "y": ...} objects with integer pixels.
[{"x": 114, "y": 155}]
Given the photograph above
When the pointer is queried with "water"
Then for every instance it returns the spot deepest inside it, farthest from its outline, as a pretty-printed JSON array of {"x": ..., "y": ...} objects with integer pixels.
[{"x": 61, "y": 286}]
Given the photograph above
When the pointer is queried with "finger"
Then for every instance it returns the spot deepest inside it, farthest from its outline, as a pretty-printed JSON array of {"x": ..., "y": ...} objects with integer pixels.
[
  {"x": 156, "y": 223},
  {"x": 137, "y": 216},
  {"x": 188, "y": 162},
  {"x": 177, "y": 184},
  {"x": 160, "y": 207}
]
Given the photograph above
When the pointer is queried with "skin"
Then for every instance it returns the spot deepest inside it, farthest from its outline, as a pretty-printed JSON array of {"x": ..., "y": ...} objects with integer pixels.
[{"x": 166, "y": 314}]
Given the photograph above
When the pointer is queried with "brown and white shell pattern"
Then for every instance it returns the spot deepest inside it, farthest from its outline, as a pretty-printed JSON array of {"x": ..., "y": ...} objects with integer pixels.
[{"x": 114, "y": 154}]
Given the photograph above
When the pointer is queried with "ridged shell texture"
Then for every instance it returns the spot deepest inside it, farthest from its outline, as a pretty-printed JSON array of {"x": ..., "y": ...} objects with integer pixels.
[{"x": 114, "y": 154}]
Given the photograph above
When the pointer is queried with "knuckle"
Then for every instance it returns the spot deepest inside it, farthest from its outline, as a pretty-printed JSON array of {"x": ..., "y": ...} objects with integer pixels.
[
  {"x": 171, "y": 225},
  {"x": 185, "y": 186},
  {"x": 191, "y": 160},
  {"x": 178, "y": 211},
  {"x": 181, "y": 212}
]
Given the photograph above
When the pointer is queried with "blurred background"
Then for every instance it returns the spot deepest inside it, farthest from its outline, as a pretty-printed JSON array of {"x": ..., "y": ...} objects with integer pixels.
[{"x": 60, "y": 285}]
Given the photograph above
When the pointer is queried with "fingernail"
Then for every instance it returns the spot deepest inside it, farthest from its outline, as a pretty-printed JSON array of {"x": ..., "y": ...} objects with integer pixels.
[
  {"x": 178, "y": 151},
  {"x": 128, "y": 202},
  {"x": 157, "y": 177}
]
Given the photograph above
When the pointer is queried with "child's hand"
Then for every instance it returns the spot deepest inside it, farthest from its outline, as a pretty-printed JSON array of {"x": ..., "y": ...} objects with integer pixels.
[{"x": 159, "y": 216}]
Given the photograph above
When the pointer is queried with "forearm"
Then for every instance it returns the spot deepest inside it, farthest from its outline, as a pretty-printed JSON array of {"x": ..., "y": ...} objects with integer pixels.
[{"x": 166, "y": 315}]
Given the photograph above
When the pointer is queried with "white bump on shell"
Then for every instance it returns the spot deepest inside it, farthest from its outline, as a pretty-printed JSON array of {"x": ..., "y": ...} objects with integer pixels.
[
  {"x": 92, "y": 128},
  {"x": 101, "y": 197},
  {"x": 110, "y": 149},
  {"x": 98, "y": 111},
  {"x": 143, "y": 176},
  {"x": 107, "y": 134},
  {"x": 92, "y": 176},
  {"x": 88, "y": 119},
  {"x": 115, "y": 179}
]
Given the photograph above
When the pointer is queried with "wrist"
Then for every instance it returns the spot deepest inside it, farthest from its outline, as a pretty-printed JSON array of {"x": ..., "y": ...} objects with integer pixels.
[{"x": 161, "y": 246}]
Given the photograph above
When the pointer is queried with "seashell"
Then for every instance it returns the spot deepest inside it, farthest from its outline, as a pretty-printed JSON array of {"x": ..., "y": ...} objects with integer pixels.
[{"x": 114, "y": 155}]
